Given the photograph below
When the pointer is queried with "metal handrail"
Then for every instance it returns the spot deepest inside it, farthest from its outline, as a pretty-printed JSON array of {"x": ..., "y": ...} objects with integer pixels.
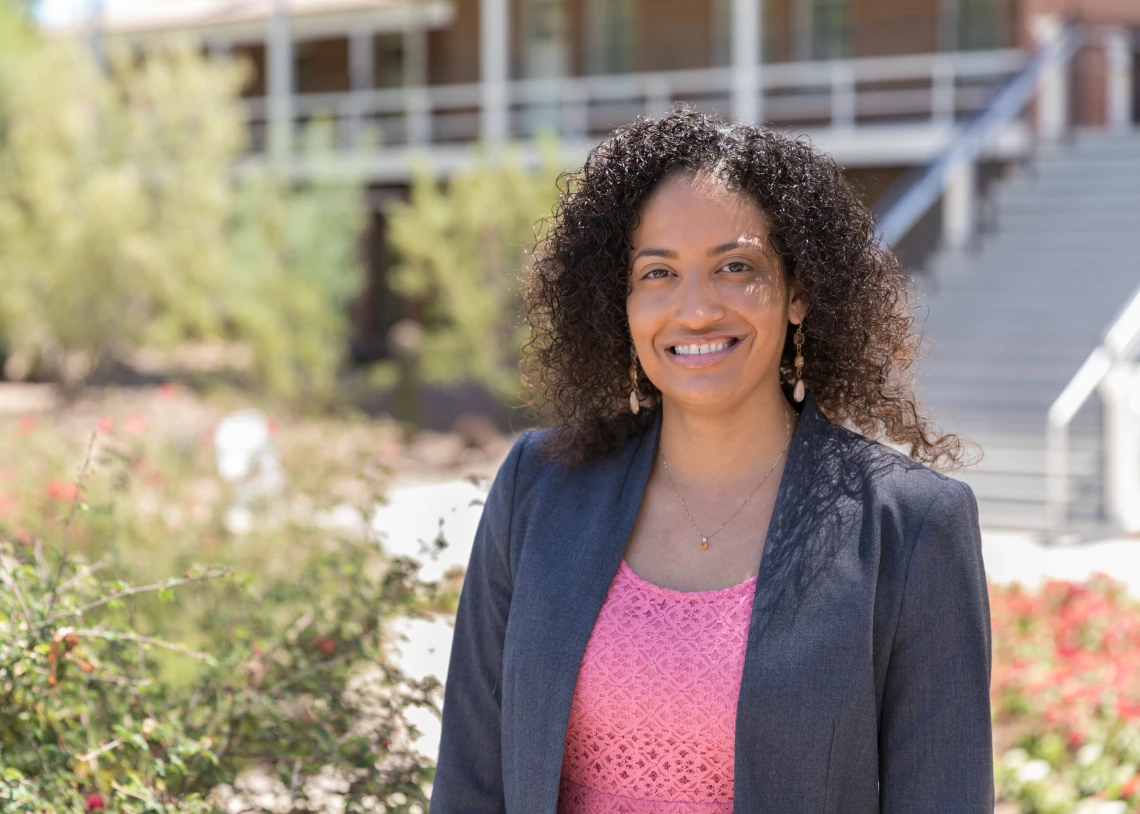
[
  {"x": 1120, "y": 342},
  {"x": 921, "y": 194}
]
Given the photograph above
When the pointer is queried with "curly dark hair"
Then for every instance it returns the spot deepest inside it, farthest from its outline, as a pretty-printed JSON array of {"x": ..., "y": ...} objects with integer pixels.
[{"x": 858, "y": 327}]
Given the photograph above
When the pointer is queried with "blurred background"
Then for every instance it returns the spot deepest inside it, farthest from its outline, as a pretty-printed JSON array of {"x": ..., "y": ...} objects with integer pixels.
[{"x": 268, "y": 250}]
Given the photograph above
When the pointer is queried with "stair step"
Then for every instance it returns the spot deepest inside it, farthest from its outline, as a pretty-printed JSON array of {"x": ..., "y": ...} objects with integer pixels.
[{"x": 1013, "y": 318}]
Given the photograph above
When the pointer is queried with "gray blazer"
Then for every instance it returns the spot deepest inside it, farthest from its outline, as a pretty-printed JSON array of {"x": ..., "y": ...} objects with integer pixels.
[{"x": 866, "y": 675}]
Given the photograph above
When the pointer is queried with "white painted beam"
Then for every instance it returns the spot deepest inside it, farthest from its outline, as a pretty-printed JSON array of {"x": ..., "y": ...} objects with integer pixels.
[
  {"x": 959, "y": 207},
  {"x": 1118, "y": 56},
  {"x": 280, "y": 84},
  {"x": 494, "y": 67},
  {"x": 746, "y": 57}
]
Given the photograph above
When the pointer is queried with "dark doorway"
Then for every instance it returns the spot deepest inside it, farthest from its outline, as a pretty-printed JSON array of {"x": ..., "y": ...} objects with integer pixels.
[
  {"x": 376, "y": 307},
  {"x": 1136, "y": 77}
]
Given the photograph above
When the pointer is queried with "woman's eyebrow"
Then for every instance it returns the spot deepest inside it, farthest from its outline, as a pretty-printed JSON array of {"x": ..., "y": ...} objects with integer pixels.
[
  {"x": 651, "y": 252},
  {"x": 738, "y": 244},
  {"x": 713, "y": 252}
]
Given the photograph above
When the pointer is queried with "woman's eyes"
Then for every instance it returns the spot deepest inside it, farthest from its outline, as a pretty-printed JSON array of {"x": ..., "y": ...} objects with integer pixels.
[{"x": 735, "y": 267}]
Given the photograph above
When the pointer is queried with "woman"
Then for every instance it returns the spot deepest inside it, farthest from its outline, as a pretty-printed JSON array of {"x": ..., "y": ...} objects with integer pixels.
[{"x": 698, "y": 592}]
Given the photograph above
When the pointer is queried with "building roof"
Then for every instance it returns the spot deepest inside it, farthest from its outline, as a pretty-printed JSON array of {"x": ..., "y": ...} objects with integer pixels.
[{"x": 245, "y": 19}]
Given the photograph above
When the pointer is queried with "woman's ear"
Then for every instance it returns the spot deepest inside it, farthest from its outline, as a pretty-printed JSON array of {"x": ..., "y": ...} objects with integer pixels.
[{"x": 798, "y": 303}]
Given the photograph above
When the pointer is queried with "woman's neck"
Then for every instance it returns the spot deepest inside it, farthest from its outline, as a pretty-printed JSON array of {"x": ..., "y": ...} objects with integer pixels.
[{"x": 714, "y": 450}]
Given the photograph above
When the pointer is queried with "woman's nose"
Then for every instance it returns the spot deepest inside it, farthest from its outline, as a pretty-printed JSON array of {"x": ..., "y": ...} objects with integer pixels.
[{"x": 697, "y": 304}]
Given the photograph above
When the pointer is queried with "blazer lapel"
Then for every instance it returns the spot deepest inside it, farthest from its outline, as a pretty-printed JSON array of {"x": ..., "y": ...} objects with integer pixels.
[
  {"x": 785, "y": 710},
  {"x": 783, "y": 556},
  {"x": 585, "y": 530}
]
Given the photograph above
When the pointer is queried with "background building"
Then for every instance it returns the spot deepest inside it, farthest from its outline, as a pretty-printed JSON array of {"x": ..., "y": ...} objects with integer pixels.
[{"x": 994, "y": 138}]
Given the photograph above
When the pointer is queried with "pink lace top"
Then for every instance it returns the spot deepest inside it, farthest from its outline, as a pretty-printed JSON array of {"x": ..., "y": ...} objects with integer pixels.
[{"x": 653, "y": 720}]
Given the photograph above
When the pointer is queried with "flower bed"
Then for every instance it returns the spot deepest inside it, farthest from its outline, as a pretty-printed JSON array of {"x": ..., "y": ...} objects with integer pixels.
[
  {"x": 152, "y": 659},
  {"x": 1066, "y": 692}
]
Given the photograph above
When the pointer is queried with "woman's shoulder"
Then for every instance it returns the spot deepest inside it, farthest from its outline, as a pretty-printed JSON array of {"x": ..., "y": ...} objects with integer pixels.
[
  {"x": 884, "y": 474},
  {"x": 530, "y": 462}
]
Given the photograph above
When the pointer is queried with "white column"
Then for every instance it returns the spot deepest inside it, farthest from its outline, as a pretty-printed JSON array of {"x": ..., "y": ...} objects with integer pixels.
[
  {"x": 279, "y": 70},
  {"x": 361, "y": 78},
  {"x": 494, "y": 66},
  {"x": 959, "y": 205},
  {"x": 1120, "y": 395},
  {"x": 746, "y": 55},
  {"x": 361, "y": 58},
  {"x": 1118, "y": 58},
  {"x": 843, "y": 99},
  {"x": 415, "y": 69},
  {"x": 1053, "y": 92},
  {"x": 95, "y": 35}
]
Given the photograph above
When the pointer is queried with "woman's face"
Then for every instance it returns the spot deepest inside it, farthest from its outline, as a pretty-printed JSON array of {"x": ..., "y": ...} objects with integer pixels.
[{"x": 709, "y": 301}]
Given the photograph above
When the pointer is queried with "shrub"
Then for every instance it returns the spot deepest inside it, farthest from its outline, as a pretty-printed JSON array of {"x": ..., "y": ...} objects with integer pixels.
[
  {"x": 461, "y": 247},
  {"x": 157, "y": 695}
]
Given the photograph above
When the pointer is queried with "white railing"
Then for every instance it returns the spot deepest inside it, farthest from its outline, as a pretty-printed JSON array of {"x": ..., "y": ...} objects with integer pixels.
[
  {"x": 1121, "y": 342},
  {"x": 921, "y": 194},
  {"x": 939, "y": 88}
]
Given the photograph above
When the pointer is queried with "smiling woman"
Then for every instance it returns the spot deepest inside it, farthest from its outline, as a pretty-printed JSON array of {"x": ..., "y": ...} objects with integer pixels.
[
  {"x": 861, "y": 333},
  {"x": 697, "y": 590}
]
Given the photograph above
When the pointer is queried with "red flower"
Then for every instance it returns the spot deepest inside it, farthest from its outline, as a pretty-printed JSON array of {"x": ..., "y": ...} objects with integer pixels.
[
  {"x": 135, "y": 425},
  {"x": 104, "y": 426},
  {"x": 94, "y": 802},
  {"x": 1131, "y": 787},
  {"x": 165, "y": 392},
  {"x": 63, "y": 490},
  {"x": 27, "y": 425},
  {"x": 325, "y": 644}
]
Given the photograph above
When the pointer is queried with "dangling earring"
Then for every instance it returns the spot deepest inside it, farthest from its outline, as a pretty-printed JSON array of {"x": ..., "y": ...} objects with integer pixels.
[
  {"x": 798, "y": 339},
  {"x": 634, "y": 400}
]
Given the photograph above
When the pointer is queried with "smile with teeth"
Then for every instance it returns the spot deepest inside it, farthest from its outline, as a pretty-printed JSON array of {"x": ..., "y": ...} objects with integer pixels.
[{"x": 708, "y": 347}]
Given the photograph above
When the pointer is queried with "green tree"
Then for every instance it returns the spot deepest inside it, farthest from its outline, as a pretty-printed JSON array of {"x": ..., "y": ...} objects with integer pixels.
[
  {"x": 124, "y": 225},
  {"x": 461, "y": 246}
]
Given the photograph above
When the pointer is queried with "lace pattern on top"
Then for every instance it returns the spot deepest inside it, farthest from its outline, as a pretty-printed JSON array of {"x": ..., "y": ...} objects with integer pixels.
[{"x": 653, "y": 720}]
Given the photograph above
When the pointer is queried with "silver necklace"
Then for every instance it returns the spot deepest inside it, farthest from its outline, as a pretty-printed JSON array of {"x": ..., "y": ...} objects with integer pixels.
[{"x": 705, "y": 537}]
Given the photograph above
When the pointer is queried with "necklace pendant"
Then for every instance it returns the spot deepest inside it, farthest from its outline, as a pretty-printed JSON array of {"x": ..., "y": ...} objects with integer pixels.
[{"x": 704, "y": 542}]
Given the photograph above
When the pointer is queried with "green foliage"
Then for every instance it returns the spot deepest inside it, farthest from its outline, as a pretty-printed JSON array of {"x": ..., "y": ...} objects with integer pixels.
[
  {"x": 461, "y": 247},
  {"x": 159, "y": 692},
  {"x": 122, "y": 224}
]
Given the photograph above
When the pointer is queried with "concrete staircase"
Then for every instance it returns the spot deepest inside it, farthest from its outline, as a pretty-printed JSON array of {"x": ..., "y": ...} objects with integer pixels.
[{"x": 1012, "y": 320}]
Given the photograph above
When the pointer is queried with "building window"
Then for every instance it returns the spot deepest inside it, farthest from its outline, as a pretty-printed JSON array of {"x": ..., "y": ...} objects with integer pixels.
[
  {"x": 611, "y": 40},
  {"x": 976, "y": 24},
  {"x": 388, "y": 61},
  {"x": 823, "y": 29},
  {"x": 981, "y": 24},
  {"x": 544, "y": 38}
]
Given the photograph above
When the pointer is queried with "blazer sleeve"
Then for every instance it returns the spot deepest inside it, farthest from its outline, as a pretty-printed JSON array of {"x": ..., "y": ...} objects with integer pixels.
[
  {"x": 468, "y": 775},
  {"x": 935, "y": 739}
]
